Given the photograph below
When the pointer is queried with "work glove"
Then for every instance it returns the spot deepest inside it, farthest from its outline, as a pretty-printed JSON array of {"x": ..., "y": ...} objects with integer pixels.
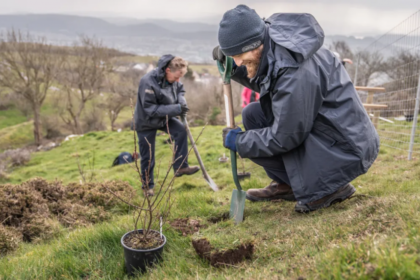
[
  {"x": 218, "y": 55},
  {"x": 229, "y": 137},
  {"x": 184, "y": 110}
]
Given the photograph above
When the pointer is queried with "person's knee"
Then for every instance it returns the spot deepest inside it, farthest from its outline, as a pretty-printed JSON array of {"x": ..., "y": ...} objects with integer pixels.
[
  {"x": 249, "y": 114},
  {"x": 180, "y": 135}
]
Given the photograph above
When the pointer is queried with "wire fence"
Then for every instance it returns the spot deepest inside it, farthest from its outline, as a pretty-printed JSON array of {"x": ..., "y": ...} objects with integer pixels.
[{"x": 393, "y": 62}]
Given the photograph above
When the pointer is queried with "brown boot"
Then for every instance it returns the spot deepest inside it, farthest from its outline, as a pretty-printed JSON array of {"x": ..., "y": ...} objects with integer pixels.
[
  {"x": 271, "y": 192},
  {"x": 340, "y": 195},
  {"x": 187, "y": 171}
]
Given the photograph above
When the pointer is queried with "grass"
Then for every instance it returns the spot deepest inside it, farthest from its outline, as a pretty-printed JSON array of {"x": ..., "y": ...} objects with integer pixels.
[
  {"x": 375, "y": 235},
  {"x": 398, "y": 135},
  {"x": 137, "y": 59},
  {"x": 205, "y": 68},
  {"x": 11, "y": 117},
  {"x": 16, "y": 136}
]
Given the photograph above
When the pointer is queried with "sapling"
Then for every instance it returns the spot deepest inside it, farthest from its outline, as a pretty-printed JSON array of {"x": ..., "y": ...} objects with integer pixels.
[{"x": 152, "y": 209}]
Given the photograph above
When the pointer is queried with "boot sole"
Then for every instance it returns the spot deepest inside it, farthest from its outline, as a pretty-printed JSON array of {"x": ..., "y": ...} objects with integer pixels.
[
  {"x": 348, "y": 191},
  {"x": 179, "y": 175},
  {"x": 288, "y": 197}
]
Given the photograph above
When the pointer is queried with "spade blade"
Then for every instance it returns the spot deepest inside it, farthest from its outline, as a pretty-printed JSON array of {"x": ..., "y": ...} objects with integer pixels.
[{"x": 237, "y": 206}]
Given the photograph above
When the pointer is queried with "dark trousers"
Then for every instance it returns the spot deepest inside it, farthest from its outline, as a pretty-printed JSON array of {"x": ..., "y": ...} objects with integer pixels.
[
  {"x": 147, "y": 154},
  {"x": 253, "y": 118}
]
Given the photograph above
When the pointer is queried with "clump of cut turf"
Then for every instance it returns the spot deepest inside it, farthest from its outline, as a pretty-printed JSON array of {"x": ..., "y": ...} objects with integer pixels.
[{"x": 223, "y": 257}]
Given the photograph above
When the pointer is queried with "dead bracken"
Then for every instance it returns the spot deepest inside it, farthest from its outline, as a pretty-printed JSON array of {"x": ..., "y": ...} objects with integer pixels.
[
  {"x": 222, "y": 257},
  {"x": 38, "y": 210}
]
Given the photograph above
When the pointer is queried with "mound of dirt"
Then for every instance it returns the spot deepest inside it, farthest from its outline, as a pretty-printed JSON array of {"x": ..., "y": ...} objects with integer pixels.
[
  {"x": 222, "y": 257},
  {"x": 37, "y": 209},
  {"x": 186, "y": 226}
]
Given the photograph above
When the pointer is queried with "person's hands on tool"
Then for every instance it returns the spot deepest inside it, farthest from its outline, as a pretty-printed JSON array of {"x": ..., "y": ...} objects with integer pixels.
[
  {"x": 218, "y": 55},
  {"x": 229, "y": 137},
  {"x": 184, "y": 110}
]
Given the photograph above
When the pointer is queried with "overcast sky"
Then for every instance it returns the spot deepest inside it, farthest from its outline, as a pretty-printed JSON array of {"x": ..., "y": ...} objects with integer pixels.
[{"x": 343, "y": 17}]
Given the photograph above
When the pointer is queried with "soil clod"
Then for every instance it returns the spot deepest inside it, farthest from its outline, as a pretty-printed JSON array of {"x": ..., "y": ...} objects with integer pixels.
[{"x": 223, "y": 257}]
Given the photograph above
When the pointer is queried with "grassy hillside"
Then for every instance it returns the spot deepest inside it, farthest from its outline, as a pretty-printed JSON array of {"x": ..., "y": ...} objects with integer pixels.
[{"x": 375, "y": 235}]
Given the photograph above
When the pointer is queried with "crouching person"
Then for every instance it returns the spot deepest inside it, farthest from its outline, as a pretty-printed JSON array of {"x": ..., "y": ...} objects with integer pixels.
[
  {"x": 309, "y": 131},
  {"x": 161, "y": 94}
]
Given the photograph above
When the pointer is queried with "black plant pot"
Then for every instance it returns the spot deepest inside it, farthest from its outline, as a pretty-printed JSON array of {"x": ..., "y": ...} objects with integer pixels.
[
  {"x": 136, "y": 260},
  {"x": 243, "y": 176}
]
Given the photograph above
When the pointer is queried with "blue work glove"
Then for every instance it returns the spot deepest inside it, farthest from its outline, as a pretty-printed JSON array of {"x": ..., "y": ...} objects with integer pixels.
[{"x": 229, "y": 137}]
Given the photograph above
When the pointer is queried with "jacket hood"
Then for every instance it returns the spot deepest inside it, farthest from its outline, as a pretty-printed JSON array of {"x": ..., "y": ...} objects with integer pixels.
[
  {"x": 163, "y": 64},
  {"x": 299, "y": 33}
]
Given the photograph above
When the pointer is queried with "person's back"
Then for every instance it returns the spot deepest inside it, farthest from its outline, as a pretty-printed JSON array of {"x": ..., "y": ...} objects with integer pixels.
[{"x": 156, "y": 99}]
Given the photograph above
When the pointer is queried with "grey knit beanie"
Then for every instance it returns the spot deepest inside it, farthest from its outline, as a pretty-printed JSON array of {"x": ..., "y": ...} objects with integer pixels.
[{"x": 240, "y": 30}]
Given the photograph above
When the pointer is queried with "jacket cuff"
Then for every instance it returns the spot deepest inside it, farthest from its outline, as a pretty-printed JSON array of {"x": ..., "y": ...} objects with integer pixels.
[{"x": 237, "y": 143}]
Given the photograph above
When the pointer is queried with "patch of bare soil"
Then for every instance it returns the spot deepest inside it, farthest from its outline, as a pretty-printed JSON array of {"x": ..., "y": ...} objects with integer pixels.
[
  {"x": 37, "y": 209},
  {"x": 222, "y": 257},
  {"x": 186, "y": 226},
  {"x": 137, "y": 240}
]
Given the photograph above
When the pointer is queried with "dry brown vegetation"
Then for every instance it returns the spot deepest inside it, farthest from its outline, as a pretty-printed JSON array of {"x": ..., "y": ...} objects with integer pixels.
[
  {"x": 28, "y": 69},
  {"x": 37, "y": 210},
  {"x": 206, "y": 102}
]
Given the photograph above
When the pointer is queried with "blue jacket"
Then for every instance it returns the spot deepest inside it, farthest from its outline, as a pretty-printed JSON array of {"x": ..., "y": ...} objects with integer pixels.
[
  {"x": 157, "y": 99},
  {"x": 317, "y": 121}
]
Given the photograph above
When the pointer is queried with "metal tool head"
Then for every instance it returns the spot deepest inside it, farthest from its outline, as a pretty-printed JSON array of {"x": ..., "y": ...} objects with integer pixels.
[{"x": 237, "y": 206}]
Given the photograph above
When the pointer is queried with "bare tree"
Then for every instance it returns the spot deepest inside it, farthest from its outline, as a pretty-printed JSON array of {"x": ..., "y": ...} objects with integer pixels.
[
  {"x": 122, "y": 87},
  {"x": 83, "y": 78},
  {"x": 342, "y": 48},
  {"x": 28, "y": 68},
  {"x": 345, "y": 52},
  {"x": 368, "y": 63}
]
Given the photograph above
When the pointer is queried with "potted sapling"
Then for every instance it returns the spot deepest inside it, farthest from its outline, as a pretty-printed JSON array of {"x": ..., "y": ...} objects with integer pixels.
[{"x": 144, "y": 244}]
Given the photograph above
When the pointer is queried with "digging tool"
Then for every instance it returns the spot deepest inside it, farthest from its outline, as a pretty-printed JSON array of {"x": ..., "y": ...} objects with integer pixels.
[
  {"x": 206, "y": 176},
  {"x": 237, "y": 204}
]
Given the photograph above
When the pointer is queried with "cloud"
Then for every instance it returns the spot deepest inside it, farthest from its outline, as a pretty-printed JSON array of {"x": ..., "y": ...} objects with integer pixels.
[{"x": 335, "y": 16}]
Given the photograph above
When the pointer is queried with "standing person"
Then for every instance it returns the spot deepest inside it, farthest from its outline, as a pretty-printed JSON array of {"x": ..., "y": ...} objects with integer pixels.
[
  {"x": 249, "y": 96},
  {"x": 161, "y": 94},
  {"x": 309, "y": 131}
]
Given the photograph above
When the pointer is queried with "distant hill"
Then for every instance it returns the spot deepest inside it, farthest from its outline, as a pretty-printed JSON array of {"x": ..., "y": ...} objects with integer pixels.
[
  {"x": 192, "y": 40},
  {"x": 76, "y": 25},
  {"x": 175, "y": 26}
]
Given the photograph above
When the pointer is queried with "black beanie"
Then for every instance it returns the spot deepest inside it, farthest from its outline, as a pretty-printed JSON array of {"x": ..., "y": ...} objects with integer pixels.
[{"x": 240, "y": 30}]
